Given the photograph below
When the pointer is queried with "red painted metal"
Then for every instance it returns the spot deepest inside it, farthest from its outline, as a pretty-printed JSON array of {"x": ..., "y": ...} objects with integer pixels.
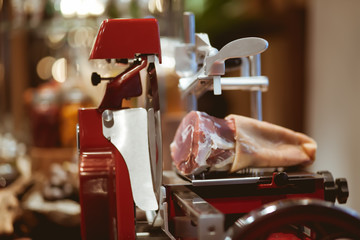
[
  {"x": 105, "y": 197},
  {"x": 249, "y": 203},
  {"x": 269, "y": 185},
  {"x": 287, "y": 235},
  {"x": 245, "y": 204},
  {"x": 125, "y": 85},
  {"x": 240, "y": 205},
  {"x": 124, "y": 38}
]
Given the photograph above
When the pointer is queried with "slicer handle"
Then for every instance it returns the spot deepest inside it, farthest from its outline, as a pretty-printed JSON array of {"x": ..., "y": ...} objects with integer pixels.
[
  {"x": 125, "y": 85},
  {"x": 96, "y": 78},
  {"x": 243, "y": 47}
]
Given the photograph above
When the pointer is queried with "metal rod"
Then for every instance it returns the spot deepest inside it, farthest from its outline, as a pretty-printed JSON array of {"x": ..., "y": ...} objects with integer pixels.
[
  {"x": 189, "y": 27},
  {"x": 244, "y": 83},
  {"x": 255, "y": 96},
  {"x": 245, "y": 68},
  {"x": 191, "y": 102},
  {"x": 234, "y": 83}
]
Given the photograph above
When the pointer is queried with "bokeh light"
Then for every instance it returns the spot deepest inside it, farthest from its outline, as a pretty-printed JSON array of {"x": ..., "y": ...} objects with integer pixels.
[
  {"x": 44, "y": 67},
  {"x": 82, "y": 8},
  {"x": 59, "y": 70}
]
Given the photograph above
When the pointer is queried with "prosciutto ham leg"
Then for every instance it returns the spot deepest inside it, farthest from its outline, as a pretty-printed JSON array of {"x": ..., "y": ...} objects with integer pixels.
[
  {"x": 262, "y": 144},
  {"x": 236, "y": 142}
]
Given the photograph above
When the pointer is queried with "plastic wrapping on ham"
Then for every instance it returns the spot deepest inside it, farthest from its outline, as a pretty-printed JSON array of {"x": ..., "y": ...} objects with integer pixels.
[{"x": 203, "y": 142}]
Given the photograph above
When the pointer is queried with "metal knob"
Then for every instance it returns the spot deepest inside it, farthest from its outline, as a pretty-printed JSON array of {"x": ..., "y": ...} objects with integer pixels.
[
  {"x": 281, "y": 179},
  {"x": 342, "y": 190},
  {"x": 329, "y": 186},
  {"x": 96, "y": 78},
  {"x": 334, "y": 189}
]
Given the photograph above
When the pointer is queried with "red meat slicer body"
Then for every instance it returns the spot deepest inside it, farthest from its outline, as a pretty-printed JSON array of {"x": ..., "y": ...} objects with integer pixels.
[{"x": 107, "y": 174}]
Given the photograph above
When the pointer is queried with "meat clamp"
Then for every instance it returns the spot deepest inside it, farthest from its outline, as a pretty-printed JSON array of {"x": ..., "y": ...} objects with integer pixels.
[
  {"x": 197, "y": 51},
  {"x": 120, "y": 162}
]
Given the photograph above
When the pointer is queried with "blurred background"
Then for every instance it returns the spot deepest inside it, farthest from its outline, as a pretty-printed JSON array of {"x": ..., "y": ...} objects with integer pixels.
[{"x": 312, "y": 64}]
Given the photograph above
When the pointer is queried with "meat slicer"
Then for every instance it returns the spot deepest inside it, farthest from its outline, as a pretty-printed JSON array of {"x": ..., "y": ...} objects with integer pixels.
[{"x": 120, "y": 154}]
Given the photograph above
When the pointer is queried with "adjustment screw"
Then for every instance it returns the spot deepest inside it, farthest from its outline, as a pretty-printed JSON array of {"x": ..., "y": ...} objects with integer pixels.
[
  {"x": 108, "y": 118},
  {"x": 281, "y": 179},
  {"x": 329, "y": 186},
  {"x": 342, "y": 190}
]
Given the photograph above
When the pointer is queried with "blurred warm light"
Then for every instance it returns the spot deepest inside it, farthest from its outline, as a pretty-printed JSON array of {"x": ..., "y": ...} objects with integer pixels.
[
  {"x": 44, "y": 67},
  {"x": 82, "y": 8},
  {"x": 59, "y": 70},
  {"x": 95, "y": 7},
  {"x": 81, "y": 37},
  {"x": 155, "y": 6},
  {"x": 168, "y": 62},
  {"x": 55, "y": 38},
  {"x": 68, "y": 7}
]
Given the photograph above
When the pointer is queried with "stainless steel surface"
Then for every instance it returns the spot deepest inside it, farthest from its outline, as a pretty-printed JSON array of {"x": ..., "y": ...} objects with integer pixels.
[
  {"x": 154, "y": 126},
  {"x": 108, "y": 118},
  {"x": 159, "y": 160},
  {"x": 225, "y": 181},
  {"x": 243, "y": 47},
  {"x": 217, "y": 85},
  {"x": 245, "y": 69},
  {"x": 191, "y": 102},
  {"x": 256, "y": 104},
  {"x": 256, "y": 96},
  {"x": 189, "y": 27},
  {"x": 129, "y": 134},
  {"x": 258, "y": 83},
  {"x": 78, "y": 138},
  {"x": 184, "y": 53},
  {"x": 205, "y": 83},
  {"x": 155, "y": 149},
  {"x": 148, "y": 232},
  {"x": 170, "y": 178},
  {"x": 208, "y": 220}
]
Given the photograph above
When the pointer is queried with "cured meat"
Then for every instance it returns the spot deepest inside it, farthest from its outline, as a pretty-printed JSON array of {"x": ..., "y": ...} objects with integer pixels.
[
  {"x": 204, "y": 142},
  {"x": 262, "y": 144}
]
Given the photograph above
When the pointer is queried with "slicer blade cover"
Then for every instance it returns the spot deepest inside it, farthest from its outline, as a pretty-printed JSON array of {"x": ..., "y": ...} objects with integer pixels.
[
  {"x": 125, "y": 38},
  {"x": 129, "y": 134}
]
